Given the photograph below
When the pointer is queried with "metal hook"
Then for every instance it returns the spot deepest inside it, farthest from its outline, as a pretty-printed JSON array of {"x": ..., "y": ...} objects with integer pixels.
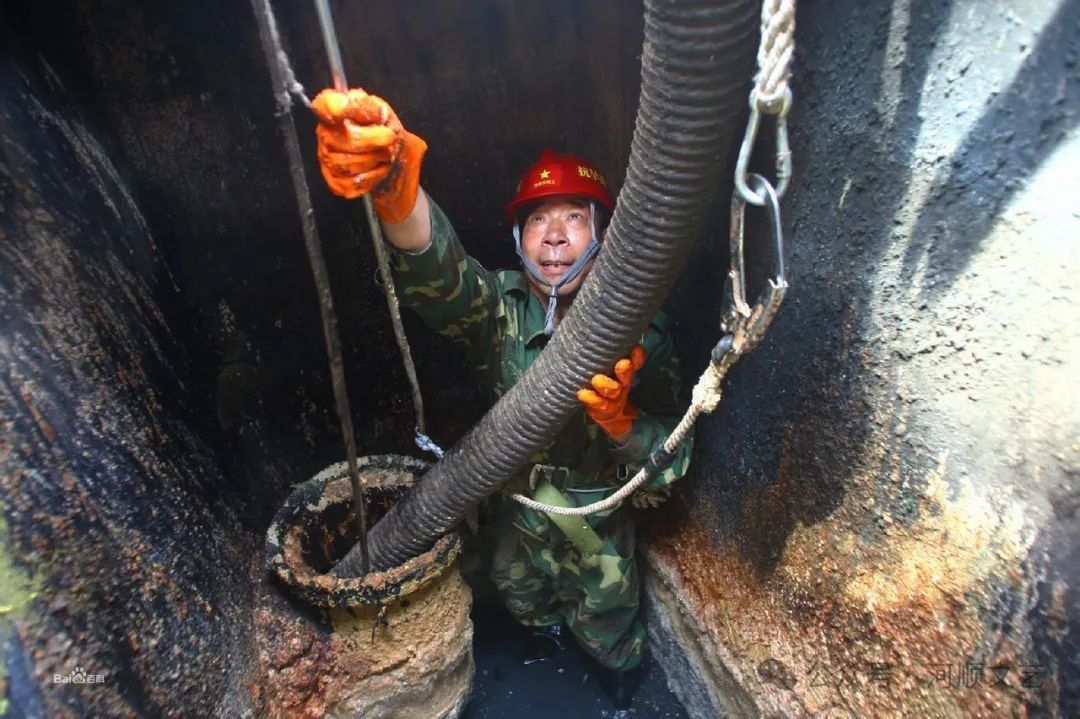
[
  {"x": 739, "y": 315},
  {"x": 783, "y": 149}
]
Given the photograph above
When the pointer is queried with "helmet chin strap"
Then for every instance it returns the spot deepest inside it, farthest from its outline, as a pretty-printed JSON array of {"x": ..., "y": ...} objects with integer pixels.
[{"x": 573, "y": 271}]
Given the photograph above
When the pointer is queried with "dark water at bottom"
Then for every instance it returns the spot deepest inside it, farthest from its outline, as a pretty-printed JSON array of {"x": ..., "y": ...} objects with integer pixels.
[{"x": 563, "y": 686}]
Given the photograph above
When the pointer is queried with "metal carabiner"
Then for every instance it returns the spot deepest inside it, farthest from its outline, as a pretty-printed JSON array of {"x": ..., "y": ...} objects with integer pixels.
[
  {"x": 547, "y": 472},
  {"x": 748, "y": 324},
  {"x": 783, "y": 149}
]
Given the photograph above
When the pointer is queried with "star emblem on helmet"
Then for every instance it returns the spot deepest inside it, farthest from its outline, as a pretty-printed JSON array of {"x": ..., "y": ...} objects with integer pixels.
[{"x": 545, "y": 174}]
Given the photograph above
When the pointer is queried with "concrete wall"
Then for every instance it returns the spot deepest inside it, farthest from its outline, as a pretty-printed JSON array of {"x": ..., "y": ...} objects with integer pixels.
[
  {"x": 123, "y": 561},
  {"x": 886, "y": 501},
  {"x": 165, "y": 371},
  {"x": 887, "y": 493}
]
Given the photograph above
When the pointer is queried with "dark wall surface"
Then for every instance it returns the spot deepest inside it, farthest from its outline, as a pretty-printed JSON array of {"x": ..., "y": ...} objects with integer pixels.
[
  {"x": 899, "y": 455},
  {"x": 123, "y": 556},
  {"x": 893, "y": 475},
  {"x": 488, "y": 85},
  {"x": 162, "y": 235}
]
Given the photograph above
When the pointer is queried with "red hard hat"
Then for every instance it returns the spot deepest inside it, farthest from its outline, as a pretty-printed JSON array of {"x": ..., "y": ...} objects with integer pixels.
[{"x": 557, "y": 173}]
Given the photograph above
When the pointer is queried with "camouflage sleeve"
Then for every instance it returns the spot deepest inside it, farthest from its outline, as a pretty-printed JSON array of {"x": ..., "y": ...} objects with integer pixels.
[
  {"x": 453, "y": 293},
  {"x": 656, "y": 396}
]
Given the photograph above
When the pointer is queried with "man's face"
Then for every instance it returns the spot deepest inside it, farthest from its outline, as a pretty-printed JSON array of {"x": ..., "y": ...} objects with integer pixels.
[{"x": 554, "y": 234}]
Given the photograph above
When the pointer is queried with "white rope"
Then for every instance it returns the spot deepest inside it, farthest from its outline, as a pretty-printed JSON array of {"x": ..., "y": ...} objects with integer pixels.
[
  {"x": 774, "y": 53},
  {"x": 704, "y": 399},
  {"x": 602, "y": 506}
]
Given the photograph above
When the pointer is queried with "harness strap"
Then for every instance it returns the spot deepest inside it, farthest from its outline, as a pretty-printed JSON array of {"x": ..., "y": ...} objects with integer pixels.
[{"x": 576, "y": 529}]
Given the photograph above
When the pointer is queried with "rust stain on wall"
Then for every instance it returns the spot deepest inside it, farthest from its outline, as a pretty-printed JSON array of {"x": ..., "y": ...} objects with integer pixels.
[
  {"x": 867, "y": 614},
  {"x": 414, "y": 660}
]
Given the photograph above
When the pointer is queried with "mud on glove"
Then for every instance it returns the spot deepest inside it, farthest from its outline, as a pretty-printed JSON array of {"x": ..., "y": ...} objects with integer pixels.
[{"x": 363, "y": 147}]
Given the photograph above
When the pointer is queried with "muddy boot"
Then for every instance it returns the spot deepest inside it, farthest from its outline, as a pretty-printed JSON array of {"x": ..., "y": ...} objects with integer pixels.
[{"x": 542, "y": 643}]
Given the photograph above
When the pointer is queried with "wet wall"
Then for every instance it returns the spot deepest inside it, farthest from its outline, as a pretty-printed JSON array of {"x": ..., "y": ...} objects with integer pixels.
[
  {"x": 165, "y": 373},
  {"x": 124, "y": 555},
  {"x": 886, "y": 496}
]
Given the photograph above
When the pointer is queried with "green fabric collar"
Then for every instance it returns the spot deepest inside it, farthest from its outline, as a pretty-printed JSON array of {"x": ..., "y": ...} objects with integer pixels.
[{"x": 515, "y": 282}]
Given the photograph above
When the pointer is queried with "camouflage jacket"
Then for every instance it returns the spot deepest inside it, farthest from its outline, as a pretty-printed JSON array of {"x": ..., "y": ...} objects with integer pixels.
[{"x": 499, "y": 324}]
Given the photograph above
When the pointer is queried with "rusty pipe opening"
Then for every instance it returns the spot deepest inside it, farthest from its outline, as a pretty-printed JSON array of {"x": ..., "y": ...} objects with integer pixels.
[{"x": 313, "y": 530}]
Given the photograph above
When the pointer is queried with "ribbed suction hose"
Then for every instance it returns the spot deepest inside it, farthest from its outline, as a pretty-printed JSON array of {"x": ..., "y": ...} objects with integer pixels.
[{"x": 696, "y": 63}]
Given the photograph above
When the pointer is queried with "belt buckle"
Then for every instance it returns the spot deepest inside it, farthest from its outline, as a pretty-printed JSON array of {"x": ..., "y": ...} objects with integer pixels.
[{"x": 546, "y": 471}]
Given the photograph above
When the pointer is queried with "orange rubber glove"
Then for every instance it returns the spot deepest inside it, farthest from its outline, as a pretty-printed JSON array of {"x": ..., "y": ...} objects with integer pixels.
[
  {"x": 607, "y": 403},
  {"x": 364, "y": 148}
]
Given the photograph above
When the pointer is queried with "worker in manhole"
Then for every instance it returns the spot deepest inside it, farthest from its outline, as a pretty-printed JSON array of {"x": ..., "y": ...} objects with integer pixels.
[{"x": 550, "y": 575}]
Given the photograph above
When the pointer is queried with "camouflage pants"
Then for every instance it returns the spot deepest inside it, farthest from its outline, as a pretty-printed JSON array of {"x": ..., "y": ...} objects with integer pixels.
[{"x": 544, "y": 580}]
